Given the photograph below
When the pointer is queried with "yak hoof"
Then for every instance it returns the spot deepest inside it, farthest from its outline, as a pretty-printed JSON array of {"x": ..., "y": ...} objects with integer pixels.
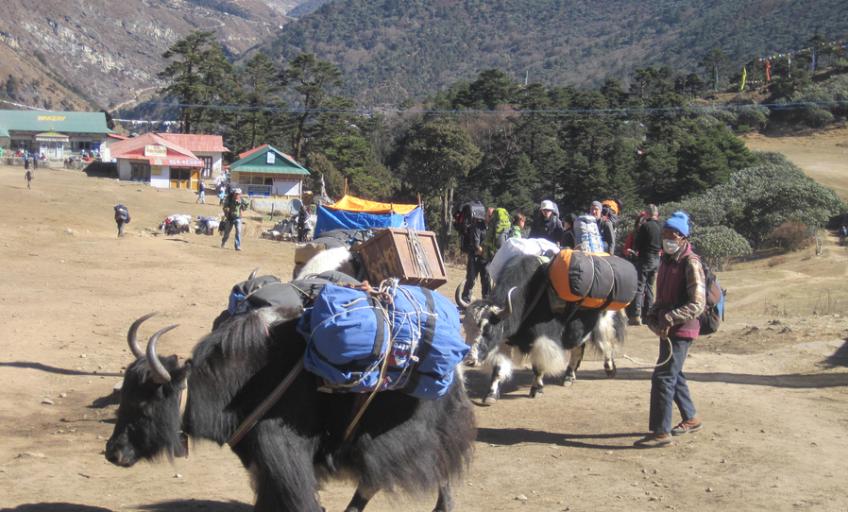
[
  {"x": 490, "y": 399},
  {"x": 610, "y": 370},
  {"x": 536, "y": 390},
  {"x": 568, "y": 381}
]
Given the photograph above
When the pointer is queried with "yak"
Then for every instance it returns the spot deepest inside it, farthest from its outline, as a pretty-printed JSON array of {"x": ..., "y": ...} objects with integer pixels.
[
  {"x": 400, "y": 443},
  {"x": 521, "y": 314}
]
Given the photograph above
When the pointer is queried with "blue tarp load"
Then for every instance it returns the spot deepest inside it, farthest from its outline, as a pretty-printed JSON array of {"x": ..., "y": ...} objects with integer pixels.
[{"x": 355, "y": 213}]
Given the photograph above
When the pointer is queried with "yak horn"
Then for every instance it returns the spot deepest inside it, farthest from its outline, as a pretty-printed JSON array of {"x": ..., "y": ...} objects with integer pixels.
[
  {"x": 132, "y": 334},
  {"x": 457, "y": 296},
  {"x": 508, "y": 309},
  {"x": 160, "y": 374},
  {"x": 253, "y": 274}
]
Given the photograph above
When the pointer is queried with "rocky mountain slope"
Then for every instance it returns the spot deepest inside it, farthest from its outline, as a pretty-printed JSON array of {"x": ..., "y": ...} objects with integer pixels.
[{"x": 102, "y": 53}]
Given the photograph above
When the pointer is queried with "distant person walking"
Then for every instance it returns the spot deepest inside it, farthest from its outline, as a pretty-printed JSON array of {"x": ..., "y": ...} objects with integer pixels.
[
  {"x": 26, "y": 163},
  {"x": 234, "y": 205},
  {"x": 201, "y": 193},
  {"x": 28, "y": 177},
  {"x": 122, "y": 216}
]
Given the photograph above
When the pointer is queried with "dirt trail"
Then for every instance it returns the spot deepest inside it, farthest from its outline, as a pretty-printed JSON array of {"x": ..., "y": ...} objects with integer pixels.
[{"x": 772, "y": 386}]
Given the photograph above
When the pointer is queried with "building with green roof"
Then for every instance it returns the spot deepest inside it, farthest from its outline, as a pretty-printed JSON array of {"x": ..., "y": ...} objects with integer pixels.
[
  {"x": 267, "y": 171},
  {"x": 52, "y": 133}
]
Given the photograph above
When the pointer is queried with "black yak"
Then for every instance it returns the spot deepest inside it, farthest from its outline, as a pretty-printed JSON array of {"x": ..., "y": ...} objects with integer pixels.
[
  {"x": 400, "y": 444},
  {"x": 519, "y": 314}
]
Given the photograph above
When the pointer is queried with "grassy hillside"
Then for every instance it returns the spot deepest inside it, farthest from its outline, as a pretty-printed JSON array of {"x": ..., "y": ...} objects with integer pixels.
[{"x": 391, "y": 50}]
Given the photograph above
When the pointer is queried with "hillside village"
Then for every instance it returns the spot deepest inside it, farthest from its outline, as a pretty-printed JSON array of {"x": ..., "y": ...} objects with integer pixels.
[{"x": 195, "y": 183}]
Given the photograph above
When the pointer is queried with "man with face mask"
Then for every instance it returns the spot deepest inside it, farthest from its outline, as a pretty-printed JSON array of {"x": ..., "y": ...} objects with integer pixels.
[{"x": 680, "y": 300}]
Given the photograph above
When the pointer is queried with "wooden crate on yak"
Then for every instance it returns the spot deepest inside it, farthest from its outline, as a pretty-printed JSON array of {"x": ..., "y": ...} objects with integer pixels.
[{"x": 411, "y": 256}]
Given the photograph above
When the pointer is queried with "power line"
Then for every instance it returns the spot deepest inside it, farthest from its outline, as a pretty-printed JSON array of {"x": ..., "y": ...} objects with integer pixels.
[{"x": 688, "y": 109}]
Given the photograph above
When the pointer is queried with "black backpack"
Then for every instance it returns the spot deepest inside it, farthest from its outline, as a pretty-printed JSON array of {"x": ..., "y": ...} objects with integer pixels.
[{"x": 713, "y": 313}]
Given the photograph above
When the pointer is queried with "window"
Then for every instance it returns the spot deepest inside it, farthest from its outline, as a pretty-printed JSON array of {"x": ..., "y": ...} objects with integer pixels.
[
  {"x": 140, "y": 171},
  {"x": 206, "y": 172}
]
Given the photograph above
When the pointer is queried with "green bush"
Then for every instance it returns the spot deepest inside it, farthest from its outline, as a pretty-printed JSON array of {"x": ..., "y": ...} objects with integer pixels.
[
  {"x": 759, "y": 199},
  {"x": 716, "y": 245}
]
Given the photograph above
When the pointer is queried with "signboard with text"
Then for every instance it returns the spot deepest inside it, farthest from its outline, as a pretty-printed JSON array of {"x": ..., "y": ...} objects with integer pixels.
[{"x": 155, "y": 150}]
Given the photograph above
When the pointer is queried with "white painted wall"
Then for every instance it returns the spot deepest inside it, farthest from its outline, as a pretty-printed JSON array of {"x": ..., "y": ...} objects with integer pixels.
[
  {"x": 217, "y": 161},
  {"x": 124, "y": 169},
  {"x": 286, "y": 187},
  {"x": 160, "y": 176}
]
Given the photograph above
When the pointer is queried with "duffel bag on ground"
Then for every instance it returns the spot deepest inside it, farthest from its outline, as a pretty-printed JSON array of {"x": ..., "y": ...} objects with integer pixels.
[
  {"x": 358, "y": 344},
  {"x": 593, "y": 280}
]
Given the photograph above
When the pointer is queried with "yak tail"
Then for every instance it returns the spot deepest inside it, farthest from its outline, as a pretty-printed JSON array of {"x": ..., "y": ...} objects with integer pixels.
[
  {"x": 546, "y": 356},
  {"x": 609, "y": 333}
]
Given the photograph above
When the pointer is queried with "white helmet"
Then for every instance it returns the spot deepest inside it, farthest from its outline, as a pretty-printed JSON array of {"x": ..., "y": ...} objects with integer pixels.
[{"x": 547, "y": 204}]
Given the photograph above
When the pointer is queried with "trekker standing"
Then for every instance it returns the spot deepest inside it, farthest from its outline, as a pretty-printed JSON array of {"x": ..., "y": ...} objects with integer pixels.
[
  {"x": 201, "y": 193},
  {"x": 605, "y": 226},
  {"x": 122, "y": 216},
  {"x": 28, "y": 177},
  {"x": 546, "y": 224},
  {"x": 648, "y": 243},
  {"x": 681, "y": 298},
  {"x": 302, "y": 216},
  {"x": 26, "y": 162},
  {"x": 234, "y": 205},
  {"x": 517, "y": 229},
  {"x": 568, "y": 241},
  {"x": 474, "y": 238}
]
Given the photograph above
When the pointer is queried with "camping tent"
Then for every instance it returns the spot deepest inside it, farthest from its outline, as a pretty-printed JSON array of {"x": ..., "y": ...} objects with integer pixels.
[{"x": 354, "y": 213}]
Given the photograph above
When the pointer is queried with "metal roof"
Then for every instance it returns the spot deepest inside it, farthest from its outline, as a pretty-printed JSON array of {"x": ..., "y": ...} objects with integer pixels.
[
  {"x": 197, "y": 143},
  {"x": 53, "y": 121},
  {"x": 256, "y": 160}
]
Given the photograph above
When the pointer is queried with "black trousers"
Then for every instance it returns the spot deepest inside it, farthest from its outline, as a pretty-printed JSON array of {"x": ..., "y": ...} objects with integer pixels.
[{"x": 476, "y": 266}]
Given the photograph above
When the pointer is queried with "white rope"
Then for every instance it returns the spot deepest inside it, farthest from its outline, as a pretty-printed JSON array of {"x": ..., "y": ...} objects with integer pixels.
[{"x": 645, "y": 365}]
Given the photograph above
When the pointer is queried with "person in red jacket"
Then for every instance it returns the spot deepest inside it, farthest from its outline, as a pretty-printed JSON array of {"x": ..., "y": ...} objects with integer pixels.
[{"x": 681, "y": 298}]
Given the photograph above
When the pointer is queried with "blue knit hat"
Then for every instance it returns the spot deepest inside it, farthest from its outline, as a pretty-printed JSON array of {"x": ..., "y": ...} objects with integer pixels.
[{"x": 679, "y": 221}]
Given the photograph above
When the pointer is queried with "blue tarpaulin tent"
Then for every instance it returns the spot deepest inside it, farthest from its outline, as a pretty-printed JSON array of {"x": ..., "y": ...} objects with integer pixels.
[{"x": 354, "y": 213}]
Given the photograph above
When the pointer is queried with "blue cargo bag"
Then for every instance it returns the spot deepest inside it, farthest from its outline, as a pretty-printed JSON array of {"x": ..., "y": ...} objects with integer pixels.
[{"x": 349, "y": 333}]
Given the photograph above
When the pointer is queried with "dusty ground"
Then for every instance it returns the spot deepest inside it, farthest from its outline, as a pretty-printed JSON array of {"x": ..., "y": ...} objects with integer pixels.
[{"x": 772, "y": 386}]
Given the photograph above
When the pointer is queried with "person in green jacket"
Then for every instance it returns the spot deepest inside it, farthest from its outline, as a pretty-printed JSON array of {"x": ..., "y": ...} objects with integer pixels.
[
  {"x": 497, "y": 232},
  {"x": 517, "y": 229}
]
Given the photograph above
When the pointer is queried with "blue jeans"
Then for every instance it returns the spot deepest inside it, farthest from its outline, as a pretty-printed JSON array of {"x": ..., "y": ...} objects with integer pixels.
[
  {"x": 236, "y": 223},
  {"x": 668, "y": 387}
]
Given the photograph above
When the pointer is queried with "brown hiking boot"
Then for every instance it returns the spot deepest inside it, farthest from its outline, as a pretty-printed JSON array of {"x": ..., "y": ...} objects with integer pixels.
[
  {"x": 653, "y": 441},
  {"x": 689, "y": 426}
]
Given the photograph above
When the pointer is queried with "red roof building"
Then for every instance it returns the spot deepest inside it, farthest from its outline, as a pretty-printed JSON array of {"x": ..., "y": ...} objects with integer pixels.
[
  {"x": 209, "y": 148},
  {"x": 152, "y": 159}
]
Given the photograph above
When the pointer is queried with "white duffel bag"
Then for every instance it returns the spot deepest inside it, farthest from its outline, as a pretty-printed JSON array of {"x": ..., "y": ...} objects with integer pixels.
[{"x": 514, "y": 247}]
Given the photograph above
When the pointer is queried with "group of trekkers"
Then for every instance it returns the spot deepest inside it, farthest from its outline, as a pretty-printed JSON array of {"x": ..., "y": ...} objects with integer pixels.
[
  {"x": 660, "y": 252},
  {"x": 482, "y": 235}
]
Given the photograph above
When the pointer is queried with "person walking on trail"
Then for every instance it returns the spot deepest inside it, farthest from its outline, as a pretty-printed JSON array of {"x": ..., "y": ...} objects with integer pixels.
[
  {"x": 28, "y": 177},
  {"x": 681, "y": 298},
  {"x": 605, "y": 226},
  {"x": 122, "y": 216},
  {"x": 26, "y": 163},
  {"x": 546, "y": 224},
  {"x": 474, "y": 238},
  {"x": 201, "y": 193},
  {"x": 647, "y": 244},
  {"x": 234, "y": 205}
]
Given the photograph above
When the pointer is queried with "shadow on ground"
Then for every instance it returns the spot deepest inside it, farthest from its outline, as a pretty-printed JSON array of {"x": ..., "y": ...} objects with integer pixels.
[
  {"x": 29, "y": 365},
  {"x": 513, "y": 436},
  {"x": 54, "y": 507}
]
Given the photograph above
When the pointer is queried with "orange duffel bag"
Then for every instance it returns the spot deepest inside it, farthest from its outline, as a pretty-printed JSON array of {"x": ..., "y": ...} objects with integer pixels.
[{"x": 595, "y": 280}]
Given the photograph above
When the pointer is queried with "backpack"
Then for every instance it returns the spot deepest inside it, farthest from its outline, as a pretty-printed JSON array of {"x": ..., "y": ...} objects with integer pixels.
[
  {"x": 122, "y": 214},
  {"x": 713, "y": 313},
  {"x": 467, "y": 215},
  {"x": 587, "y": 236}
]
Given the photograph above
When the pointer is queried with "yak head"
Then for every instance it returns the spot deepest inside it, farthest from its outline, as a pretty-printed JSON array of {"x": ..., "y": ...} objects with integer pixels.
[
  {"x": 148, "y": 422},
  {"x": 484, "y": 327}
]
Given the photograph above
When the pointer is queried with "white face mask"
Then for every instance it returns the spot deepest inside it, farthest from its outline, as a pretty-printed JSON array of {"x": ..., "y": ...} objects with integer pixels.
[{"x": 670, "y": 247}]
